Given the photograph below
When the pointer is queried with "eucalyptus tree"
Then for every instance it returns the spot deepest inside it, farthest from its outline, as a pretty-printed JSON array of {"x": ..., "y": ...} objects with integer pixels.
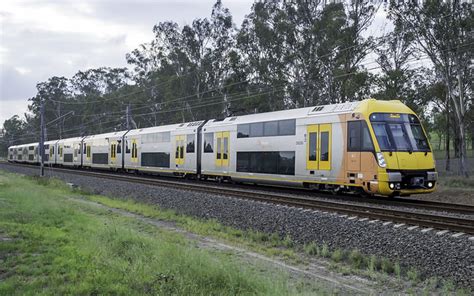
[
  {"x": 443, "y": 31},
  {"x": 194, "y": 60}
]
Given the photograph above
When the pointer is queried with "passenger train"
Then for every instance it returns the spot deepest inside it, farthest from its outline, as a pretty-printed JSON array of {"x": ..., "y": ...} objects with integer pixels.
[{"x": 371, "y": 147}]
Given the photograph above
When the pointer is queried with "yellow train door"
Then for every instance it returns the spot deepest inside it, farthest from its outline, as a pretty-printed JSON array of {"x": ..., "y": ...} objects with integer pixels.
[
  {"x": 179, "y": 152},
  {"x": 222, "y": 149},
  {"x": 113, "y": 152},
  {"x": 312, "y": 147},
  {"x": 325, "y": 146},
  {"x": 318, "y": 147}
]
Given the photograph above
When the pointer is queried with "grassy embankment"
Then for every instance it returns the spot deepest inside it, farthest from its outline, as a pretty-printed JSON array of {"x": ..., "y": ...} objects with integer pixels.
[{"x": 52, "y": 244}]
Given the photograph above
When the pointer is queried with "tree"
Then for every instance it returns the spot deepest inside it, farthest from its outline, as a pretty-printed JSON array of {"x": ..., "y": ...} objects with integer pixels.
[{"x": 443, "y": 31}]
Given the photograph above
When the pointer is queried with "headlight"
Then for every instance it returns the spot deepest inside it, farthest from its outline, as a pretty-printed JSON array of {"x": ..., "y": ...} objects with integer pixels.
[
  {"x": 430, "y": 184},
  {"x": 381, "y": 160}
]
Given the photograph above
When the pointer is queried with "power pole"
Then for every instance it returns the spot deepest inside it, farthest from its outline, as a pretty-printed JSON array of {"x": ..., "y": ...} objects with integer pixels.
[
  {"x": 128, "y": 117},
  {"x": 130, "y": 121},
  {"x": 41, "y": 143}
]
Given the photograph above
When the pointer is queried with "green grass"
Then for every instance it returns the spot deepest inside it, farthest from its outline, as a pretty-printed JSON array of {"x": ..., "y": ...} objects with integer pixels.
[
  {"x": 52, "y": 244},
  {"x": 103, "y": 253}
]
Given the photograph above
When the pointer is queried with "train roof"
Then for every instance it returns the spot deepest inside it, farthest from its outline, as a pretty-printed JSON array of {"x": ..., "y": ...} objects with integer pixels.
[
  {"x": 105, "y": 135},
  {"x": 288, "y": 114},
  {"x": 69, "y": 140},
  {"x": 166, "y": 128}
]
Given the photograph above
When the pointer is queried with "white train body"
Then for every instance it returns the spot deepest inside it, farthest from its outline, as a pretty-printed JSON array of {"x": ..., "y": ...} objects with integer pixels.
[{"x": 378, "y": 147}]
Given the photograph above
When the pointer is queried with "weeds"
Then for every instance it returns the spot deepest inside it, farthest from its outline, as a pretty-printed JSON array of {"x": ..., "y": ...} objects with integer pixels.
[
  {"x": 311, "y": 249},
  {"x": 412, "y": 275},
  {"x": 337, "y": 255},
  {"x": 325, "y": 251},
  {"x": 397, "y": 270}
]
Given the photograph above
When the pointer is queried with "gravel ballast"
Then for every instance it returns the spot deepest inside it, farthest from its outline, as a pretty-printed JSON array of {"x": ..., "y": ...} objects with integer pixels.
[{"x": 443, "y": 256}]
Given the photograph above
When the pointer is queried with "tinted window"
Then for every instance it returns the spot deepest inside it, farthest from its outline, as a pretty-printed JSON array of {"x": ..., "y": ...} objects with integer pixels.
[
  {"x": 382, "y": 136},
  {"x": 190, "y": 144},
  {"x": 156, "y": 159},
  {"x": 243, "y": 130},
  {"x": 282, "y": 163},
  {"x": 358, "y": 136},
  {"x": 226, "y": 148},
  {"x": 219, "y": 148},
  {"x": 353, "y": 140},
  {"x": 256, "y": 129},
  {"x": 119, "y": 146},
  {"x": 400, "y": 136},
  {"x": 324, "y": 146},
  {"x": 287, "y": 127},
  {"x": 208, "y": 142},
  {"x": 267, "y": 129},
  {"x": 312, "y": 146},
  {"x": 100, "y": 158},
  {"x": 366, "y": 142},
  {"x": 270, "y": 162},
  {"x": 270, "y": 128},
  {"x": 286, "y": 163},
  {"x": 420, "y": 140},
  {"x": 243, "y": 161},
  {"x": 127, "y": 148}
]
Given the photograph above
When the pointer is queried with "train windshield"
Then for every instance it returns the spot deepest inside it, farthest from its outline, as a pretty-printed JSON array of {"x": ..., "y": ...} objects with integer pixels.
[{"x": 399, "y": 132}]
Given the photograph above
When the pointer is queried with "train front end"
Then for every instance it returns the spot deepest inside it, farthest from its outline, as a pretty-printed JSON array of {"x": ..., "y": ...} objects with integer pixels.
[{"x": 403, "y": 153}]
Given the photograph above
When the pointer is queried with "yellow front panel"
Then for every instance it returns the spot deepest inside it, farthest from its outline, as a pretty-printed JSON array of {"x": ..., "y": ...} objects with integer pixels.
[
  {"x": 311, "y": 148},
  {"x": 325, "y": 145}
]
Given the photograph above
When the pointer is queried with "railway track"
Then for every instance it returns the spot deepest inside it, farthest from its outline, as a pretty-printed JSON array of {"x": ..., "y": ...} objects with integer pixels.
[{"x": 428, "y": 220}]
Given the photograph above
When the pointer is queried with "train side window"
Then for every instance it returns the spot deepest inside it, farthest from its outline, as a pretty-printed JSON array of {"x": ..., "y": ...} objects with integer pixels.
[
  {"x": 119, "y": 146},
  {"x": 208, "y": 142},
  {"x": 270, "y": 128},
  {"x": 353, "y": 136},
  {"x": 366, "y": 141},
  {"x": 324, "y": 146},
  {"x": 313, "y": 143},
  {"x": 287, "y": 127},
  {"x": 127, "y": 148},
  {"x": 181, "y": 151},
  {"x": 256, "y": 129},
  {"x": 190, "y": 144},
  {"x": 225, "y": 154},
  {"x": 243, "y": 130}
]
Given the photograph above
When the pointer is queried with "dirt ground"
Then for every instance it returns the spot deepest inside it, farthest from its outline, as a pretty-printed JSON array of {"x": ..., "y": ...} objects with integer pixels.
[{"x": 451, "y": 190}]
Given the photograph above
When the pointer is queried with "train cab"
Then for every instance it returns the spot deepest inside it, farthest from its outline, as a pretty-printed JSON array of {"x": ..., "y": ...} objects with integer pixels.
[{"x": 404, "y": 159}]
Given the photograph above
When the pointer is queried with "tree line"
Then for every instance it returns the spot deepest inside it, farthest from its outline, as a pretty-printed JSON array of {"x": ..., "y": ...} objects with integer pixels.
[{"x": 285, "y": 54}]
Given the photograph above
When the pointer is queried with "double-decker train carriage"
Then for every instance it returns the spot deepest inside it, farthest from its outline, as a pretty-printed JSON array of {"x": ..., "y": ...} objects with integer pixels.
[{"x": 373, "y": 147}]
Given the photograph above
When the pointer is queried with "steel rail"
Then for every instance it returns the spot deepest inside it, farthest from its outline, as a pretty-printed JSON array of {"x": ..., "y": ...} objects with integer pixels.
[{"x": 442, "y": 222}]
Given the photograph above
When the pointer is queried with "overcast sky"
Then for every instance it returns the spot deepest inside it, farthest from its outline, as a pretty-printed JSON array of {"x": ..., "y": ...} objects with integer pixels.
[{"x": 41, "y": 39}]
